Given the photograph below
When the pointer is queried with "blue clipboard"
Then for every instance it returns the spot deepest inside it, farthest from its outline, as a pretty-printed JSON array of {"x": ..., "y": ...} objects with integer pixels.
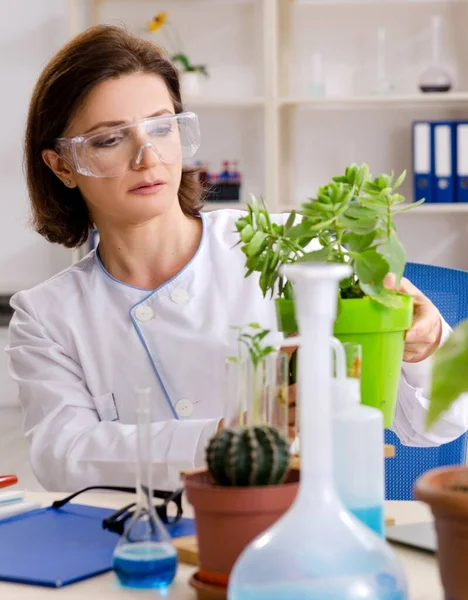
[{"x": 55, "y": 547}]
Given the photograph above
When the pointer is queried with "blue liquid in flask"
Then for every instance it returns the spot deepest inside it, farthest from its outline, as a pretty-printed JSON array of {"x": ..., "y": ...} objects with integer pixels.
[
  {"x": 145, "y": 564},
  {"x": 372, "y": 516},
  {"x": 351, "y": 590}
]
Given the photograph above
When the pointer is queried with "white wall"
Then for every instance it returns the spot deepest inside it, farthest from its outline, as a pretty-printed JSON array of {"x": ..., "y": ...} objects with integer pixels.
[{"x": 30, "y": 32}]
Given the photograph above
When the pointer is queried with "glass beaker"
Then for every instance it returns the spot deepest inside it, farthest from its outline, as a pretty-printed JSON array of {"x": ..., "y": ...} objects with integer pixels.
[
  {"x": 435, "y": 78},
  {"x": 235, "y": 402},
  {"x": 144, "y": 556},
  {"x": 383, "y": 85},
  {"x": 257, "y": 392},
  {"x": 277, "y": 392},
  {"x": 318, "y": 550}
]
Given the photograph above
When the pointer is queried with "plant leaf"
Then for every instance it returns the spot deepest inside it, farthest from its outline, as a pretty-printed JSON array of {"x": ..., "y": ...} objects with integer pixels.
[
  {"x": 394, "y": 252},
  {"x": 382, "y": 295},
  {"x": 400, "y": 180},
  {"x": 370, "y": 266},
  {"x": 321, "y": 255},
  {"x": 408, "y": 206},
  {"x": 357, "y": 211},
  {"x": 183, "y": 59},
  {"x": 290, "y": 222},
  {"x": 247, "y": 233},
  {"x": 449, "y": 373},
  {"x": 255, "y": 245},
  {"x": 358, "y": 225},
  {"x": 397, "y": 199},
  {"x": 358, "y": 242}
]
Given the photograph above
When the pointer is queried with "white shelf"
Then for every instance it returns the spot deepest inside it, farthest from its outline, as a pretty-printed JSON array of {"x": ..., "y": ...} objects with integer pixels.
[
  {"x": 438, "y": 209},
  {"x": 331, "y": 3},
  {"x": 224, "y": 102},
  {"x": 360, "y": 102}
]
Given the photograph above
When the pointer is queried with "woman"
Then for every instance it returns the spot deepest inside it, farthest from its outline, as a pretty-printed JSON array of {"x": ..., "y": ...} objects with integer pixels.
[{"x": 155, "y": 305}]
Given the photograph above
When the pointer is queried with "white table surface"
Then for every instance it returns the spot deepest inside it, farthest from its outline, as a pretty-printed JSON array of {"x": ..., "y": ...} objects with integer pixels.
[{"x": 421, "y": 568}]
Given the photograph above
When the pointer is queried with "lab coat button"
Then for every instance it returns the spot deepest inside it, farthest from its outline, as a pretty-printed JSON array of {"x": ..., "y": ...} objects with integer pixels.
[
  {"x": 179, "y": 296},
  {"x": 144, "y": 313},
  {"x": 184, "y": 408}
]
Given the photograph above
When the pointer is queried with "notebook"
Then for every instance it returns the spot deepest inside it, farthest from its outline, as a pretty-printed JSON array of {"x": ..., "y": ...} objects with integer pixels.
[{"x": 56, "y": 547}]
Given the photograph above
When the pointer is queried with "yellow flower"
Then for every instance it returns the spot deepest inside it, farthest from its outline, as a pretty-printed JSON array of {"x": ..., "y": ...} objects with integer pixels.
[{"x": 158, "y": 21}]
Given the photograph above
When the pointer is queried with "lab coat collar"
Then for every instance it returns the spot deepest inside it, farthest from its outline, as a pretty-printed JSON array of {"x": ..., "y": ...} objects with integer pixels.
[{"x": 141, "y": 294}]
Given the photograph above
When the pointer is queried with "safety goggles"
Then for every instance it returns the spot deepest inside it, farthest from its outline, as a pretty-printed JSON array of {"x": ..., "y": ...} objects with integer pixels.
[
  {"x": 169, "y": 511},
  {"x": 112, "y": 151}
]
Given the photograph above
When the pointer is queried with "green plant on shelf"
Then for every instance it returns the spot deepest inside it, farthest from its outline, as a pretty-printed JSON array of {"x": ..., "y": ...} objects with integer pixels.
[{"x": 178, "y": 56}]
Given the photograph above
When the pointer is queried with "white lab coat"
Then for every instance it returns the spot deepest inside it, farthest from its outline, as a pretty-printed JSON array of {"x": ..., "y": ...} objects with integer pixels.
[{"x": 81, "y": 342}]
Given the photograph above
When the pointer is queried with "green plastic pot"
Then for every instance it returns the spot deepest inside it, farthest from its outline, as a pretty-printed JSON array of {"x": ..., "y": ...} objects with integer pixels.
[{"x": 381, "y": 333}]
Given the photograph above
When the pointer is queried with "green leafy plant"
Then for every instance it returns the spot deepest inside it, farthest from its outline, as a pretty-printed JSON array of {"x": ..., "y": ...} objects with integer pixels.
[
  {"x": 268, "y": 246},
  {"x": 449, "y": 373},
  {"x": 187, "y": 66},
  {"x": 351, "y": 220},
  {"x": 251, "y": 336}
]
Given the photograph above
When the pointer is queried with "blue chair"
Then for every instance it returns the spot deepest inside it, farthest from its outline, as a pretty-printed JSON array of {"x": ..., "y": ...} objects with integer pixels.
[{"x": 448, "y": 290}]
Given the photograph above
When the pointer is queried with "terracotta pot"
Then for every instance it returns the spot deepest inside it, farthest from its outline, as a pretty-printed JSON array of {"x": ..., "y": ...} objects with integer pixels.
[
  {"x": 450, "y": 510},
  {"x": 206, "y": 591},
  {"x": 227, "y": 519}
]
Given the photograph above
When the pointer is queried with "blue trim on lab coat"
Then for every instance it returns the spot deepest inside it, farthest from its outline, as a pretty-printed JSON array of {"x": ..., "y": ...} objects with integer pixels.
[{"x": 152, "y": 292}]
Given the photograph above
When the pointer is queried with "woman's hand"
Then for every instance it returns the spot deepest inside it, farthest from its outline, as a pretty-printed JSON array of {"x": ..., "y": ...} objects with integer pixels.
[{"x": 423, "y": 338}]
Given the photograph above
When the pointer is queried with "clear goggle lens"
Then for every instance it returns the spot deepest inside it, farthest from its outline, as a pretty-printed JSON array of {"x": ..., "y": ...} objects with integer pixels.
[{"x": 111, "y": 152}]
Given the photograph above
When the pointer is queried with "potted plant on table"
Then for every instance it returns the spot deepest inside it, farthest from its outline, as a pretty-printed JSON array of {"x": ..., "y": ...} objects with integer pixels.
[
  {"x": 248, "y": 484},
  {"x": 247, "y": 487},
  {"x": 445, "y": 490},
  {"x": 351, "y": 220}
]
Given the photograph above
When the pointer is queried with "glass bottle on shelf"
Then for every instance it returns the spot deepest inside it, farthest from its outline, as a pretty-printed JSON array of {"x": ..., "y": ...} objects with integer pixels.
[
  {"x": 317, "y": 81},
  {"x": 144, "y": 556},
  {"x": 435, "y": 78},
  {"x": 317, "y": 550},
  {"x": 383, "y": 85}
]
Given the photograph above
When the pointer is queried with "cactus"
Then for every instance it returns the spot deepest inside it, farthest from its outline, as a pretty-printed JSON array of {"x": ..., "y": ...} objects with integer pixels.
[{"x": 248, "y": 456}]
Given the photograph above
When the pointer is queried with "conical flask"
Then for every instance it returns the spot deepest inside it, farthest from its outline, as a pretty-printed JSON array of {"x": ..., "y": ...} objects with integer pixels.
[
  {"x": 317, "y": 550},
  {"x": 435, "y": 78},
  {"x": 144, "y": 556}
]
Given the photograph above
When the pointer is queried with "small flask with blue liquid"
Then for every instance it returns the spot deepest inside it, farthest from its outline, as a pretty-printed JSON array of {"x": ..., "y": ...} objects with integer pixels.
[{"x": 145, "y": 556}]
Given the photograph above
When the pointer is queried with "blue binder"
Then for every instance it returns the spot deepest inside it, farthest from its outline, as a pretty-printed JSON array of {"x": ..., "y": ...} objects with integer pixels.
[
  {"x": 422, "y": 160},
  {"x": 55, "y": 547},
  {"x": 461, "y": 174},
  {"x": 444, "y": 153}
]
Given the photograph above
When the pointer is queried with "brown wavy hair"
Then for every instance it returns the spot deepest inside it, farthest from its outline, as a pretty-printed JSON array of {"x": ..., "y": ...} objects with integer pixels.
[{"x": 96, "y": 55}]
